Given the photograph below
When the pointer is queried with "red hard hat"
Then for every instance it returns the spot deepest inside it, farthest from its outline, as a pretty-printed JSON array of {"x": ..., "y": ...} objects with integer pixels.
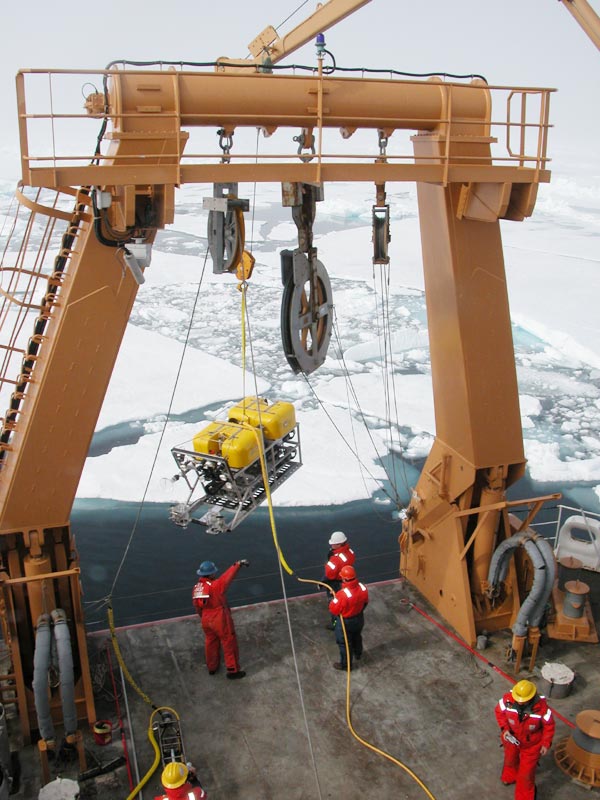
[{"x": 347, "y": 573}]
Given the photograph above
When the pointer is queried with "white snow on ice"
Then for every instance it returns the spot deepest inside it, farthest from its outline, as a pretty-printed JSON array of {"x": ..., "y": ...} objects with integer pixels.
[{"x": 552, "y": 264}]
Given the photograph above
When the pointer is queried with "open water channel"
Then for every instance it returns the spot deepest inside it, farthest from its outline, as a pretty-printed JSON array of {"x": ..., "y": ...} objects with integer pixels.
[{"x": 160, "y": 563}]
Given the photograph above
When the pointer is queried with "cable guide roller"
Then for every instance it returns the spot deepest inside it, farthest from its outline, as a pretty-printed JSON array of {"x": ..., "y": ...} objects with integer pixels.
[
  {"x": 166, "y": 727},
  {"x": 226, "y": 233},
  {"x": 381, "y": 227},
  {"x": 223, "y": 468},
  {"x": 307, "y": 302}
]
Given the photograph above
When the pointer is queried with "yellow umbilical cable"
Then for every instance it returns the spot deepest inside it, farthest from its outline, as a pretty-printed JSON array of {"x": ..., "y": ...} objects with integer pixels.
[
  {"x": 289, "y": 570},
  {"x": 126, "y": 673},
  {"x": 153, "y": 742},
  {"x": 242, "y": 287},
  {"x": 370, "y": 746}
]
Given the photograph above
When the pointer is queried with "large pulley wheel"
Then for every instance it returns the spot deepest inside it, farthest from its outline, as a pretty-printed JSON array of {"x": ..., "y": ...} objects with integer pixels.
[
  {"x": 306, "y": 314},
  {"x": 381, "y": 234},
  {"x": 226, "y": 239}
]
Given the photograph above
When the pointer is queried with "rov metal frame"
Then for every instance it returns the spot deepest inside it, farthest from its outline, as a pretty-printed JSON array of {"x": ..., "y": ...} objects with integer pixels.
[{"x": 234, "y": 491}]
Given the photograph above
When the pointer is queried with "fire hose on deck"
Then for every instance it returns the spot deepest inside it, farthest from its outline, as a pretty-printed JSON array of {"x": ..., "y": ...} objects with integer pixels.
[{"x": 542, "y": 559}]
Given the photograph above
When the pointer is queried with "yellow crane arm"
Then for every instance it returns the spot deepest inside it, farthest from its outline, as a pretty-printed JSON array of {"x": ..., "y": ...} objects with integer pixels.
[
  {"x": 585, "y": 15},
  {"x": 269, "y": 45}
]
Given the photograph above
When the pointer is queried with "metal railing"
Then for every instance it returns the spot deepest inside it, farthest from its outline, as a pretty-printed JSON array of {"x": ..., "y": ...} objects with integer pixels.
[
  {"x": 56, "y": 133},
  {"x": 551, "y": 528}
]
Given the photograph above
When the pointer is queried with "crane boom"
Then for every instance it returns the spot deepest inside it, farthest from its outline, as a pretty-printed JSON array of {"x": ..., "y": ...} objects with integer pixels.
[
  {"x": 270, "y": 47},
  {"x": 585, "y": 15}
]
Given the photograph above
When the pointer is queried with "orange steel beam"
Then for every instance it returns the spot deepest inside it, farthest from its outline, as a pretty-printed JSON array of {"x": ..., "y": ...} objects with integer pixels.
[
  {"x": 270, "y": 101},
  {"x": 478, "y": 449},
  {"x": 64, "y": 401},
  {"x": 587, "y": 18},
  {"x": 116, "y": 174},
  {"x": 148, "y": 111}
]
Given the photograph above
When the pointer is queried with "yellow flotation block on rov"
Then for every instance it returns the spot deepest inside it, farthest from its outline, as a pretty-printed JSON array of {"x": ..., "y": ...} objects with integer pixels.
[
  {"x": 223, "y": 467},
  {"x": 238, "y": 446},
  {"x": 276, "y": 419}
]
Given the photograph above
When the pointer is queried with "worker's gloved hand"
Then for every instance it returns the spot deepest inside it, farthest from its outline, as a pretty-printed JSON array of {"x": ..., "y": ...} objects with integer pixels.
[{"x": 243, "y": 562}]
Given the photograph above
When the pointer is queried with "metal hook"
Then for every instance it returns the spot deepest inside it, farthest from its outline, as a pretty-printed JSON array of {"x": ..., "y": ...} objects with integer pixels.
[
  {"x": 383, "y": 141},
  {"x": 306, "y": 141},
  {"x": 225, "y": 143}
]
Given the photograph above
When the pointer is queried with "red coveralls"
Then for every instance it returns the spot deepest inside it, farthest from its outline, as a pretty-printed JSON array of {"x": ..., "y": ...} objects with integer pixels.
[
  {"x": 350, "y": 602},
  {"x": 210, "y": 602},
  {"x": 185, "y": 792},
  {"x": 339, "y": 557},
  {"x": 534, "y": 730}
]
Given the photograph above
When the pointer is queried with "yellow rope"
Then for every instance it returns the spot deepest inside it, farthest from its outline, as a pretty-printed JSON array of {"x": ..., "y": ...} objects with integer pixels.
[
  {"x": 289, "y": 570},
  {"x": 154, "y": 744},
  {"x": 113, "y": 636},
  {"x": 370, "y": 746}
]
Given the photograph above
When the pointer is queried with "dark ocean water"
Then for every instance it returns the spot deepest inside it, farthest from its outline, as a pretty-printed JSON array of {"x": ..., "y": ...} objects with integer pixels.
[{"x": 159, "y": 569}]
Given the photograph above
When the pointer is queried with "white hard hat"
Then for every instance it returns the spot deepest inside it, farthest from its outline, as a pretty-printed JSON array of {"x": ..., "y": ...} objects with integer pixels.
[{"x": 338, "y": 537}]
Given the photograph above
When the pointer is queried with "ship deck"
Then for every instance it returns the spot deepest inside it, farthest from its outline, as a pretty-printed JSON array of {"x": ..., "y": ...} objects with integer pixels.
[{"x": 281, "y": 733}]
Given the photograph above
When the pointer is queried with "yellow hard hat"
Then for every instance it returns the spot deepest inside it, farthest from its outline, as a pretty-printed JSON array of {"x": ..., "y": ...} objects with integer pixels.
[
  {"x": 523, "y": 691},
  {"x": 174, "y": 775}
]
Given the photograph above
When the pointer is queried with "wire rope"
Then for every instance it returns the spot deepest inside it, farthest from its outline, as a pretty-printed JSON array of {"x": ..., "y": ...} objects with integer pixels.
[
  {"x": 341, "y": 435},
  {"x": 280, "y": 560},
  {"x": 254, "y": 195},
  {"x": 112, "y": 628},
  {"x": 163, "y": 429},
  {"x": 386, "y": 332},
  {"x": 295, "y": 11},
  {"x": 396, "y": 498},
  {"x": 284, "y": 565}
]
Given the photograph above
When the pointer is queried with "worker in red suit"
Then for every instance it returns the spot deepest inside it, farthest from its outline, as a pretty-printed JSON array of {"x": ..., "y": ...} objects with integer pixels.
[
  {"x": 349, "y": 603},
  {"x": 211, "y": 605},
  {"x": 526, "y": 729},
  {"x": 180, "y": 783},
  {"x": 340, "y": 555}
]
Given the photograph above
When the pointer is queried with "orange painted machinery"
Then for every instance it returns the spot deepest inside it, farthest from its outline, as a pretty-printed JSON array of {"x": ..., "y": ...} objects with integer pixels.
[{"x": 66, "y": 303}]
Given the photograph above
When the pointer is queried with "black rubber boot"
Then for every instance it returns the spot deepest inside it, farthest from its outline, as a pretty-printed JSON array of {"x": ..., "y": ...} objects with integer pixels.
[{"x": 233, "y": 676}]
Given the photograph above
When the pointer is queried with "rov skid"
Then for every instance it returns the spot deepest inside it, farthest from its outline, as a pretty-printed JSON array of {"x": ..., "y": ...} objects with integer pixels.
[{"x": 228, "y": 461}]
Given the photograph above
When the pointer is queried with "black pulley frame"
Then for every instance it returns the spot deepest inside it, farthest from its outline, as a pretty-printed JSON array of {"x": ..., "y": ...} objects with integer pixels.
[
  {"x": 381, "y": 234},
  {"x": 225, "y": 233},
  {"x": 306, "y": 311}
]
